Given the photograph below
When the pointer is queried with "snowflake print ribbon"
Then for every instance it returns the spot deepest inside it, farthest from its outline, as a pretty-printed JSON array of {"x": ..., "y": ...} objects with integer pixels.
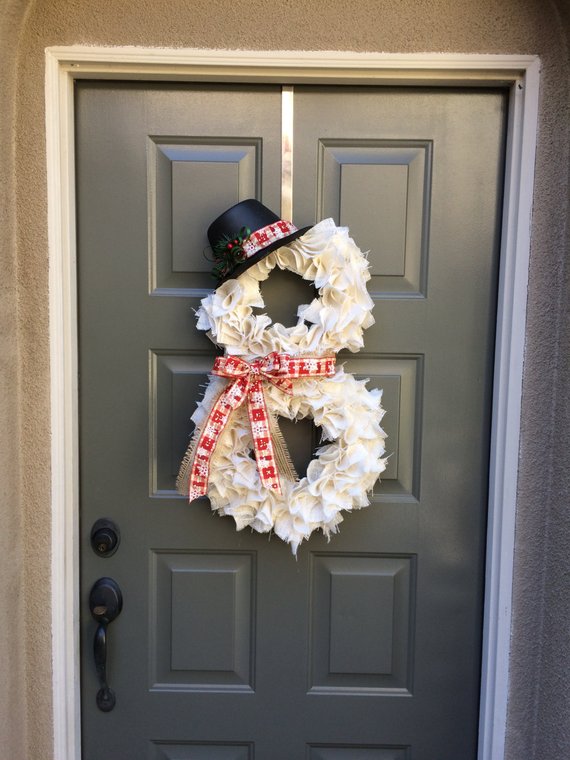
[{"x": 247, "y": 384}]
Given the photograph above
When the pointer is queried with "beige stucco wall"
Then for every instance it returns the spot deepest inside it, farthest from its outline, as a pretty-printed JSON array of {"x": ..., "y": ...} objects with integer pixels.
[{"x": 539, "y": 713}]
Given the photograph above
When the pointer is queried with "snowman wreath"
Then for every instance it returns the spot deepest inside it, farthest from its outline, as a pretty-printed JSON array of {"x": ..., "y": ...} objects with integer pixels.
[{"x": 270, "y": 371}]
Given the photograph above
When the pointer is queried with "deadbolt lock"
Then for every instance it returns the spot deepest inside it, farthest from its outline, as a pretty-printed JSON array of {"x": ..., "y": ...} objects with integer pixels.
[{"x": 105, "y": 537}]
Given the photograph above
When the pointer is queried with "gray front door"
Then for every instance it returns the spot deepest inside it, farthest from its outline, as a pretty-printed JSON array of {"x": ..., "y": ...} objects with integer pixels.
[{"x": 227, "y": 648}]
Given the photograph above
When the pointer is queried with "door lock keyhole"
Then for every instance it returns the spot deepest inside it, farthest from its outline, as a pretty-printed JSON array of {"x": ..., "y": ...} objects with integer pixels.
[{"x": 105, "y": 538}]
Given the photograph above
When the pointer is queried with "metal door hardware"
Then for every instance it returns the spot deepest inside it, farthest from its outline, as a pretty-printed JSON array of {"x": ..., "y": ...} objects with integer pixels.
[
  {"x": 105, "y": 603},
  {"x": 105, "y": 537}
]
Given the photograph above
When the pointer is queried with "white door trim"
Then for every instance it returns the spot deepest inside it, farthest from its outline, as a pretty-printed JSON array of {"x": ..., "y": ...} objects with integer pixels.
[{"x": 63, "y": 66}]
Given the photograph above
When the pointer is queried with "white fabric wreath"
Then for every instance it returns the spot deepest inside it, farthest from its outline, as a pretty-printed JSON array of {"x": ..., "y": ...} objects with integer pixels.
[
  {"x": 328, "y": 256},
  {"x": 347, "y": 466},
  {"x": 338, "y": 479}
]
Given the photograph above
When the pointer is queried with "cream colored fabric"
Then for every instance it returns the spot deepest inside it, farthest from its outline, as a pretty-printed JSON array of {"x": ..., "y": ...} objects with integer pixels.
[
  {"x": 346, "y": 467},
  {"x": 327, "y": 255}
]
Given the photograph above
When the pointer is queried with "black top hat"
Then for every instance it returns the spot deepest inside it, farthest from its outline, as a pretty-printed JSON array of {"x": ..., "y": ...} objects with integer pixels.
[{"x": 244, "y": 234}]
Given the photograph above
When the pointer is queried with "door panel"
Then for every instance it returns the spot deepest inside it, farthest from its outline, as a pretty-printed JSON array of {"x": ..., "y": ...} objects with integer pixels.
[
  {"x": 367, "y": 647},
  {"x": 380, "y": 188}
]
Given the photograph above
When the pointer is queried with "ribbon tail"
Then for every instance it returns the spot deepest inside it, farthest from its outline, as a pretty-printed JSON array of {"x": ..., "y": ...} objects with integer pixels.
[
  {"x": 285, "y": 466},
  {"x": 195, "y": 469},
  {"x": 183, "y": 476},
  {"x": 261, "y": 434}
]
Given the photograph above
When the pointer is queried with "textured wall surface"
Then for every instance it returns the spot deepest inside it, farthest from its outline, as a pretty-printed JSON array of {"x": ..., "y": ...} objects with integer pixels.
[
  {"x": 539, "y": 707},
  {"x": 13, "y": 713}
]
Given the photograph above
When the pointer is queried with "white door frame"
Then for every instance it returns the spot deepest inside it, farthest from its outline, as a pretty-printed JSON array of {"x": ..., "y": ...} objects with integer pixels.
[{"x": 521, "y": 75}]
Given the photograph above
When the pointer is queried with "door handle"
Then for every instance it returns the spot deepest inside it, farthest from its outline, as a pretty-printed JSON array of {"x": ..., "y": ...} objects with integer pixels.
[{"x": 105, "y": 604}]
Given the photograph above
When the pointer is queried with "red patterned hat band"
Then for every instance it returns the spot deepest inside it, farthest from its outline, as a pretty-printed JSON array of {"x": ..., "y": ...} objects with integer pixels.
[{"x": 267, "y": 235}]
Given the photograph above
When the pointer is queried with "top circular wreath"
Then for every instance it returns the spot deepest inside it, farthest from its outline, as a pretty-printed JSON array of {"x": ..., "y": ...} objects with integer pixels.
[{"x": 336, "y": 319}]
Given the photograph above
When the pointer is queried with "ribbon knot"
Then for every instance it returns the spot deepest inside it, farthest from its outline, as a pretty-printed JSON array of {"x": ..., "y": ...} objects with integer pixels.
[{"x": 247, "y": 384}]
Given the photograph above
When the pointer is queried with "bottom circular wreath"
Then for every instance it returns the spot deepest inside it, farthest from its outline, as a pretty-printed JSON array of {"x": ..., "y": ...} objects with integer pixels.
[{"x": 338, "y": 479}]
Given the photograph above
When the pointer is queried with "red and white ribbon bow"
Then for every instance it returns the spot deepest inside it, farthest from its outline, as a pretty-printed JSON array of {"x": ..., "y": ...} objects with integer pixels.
[{"x": 278, "y": 369}]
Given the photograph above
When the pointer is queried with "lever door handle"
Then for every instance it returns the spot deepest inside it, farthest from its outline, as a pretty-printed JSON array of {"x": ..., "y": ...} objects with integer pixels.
[{"x": 105, "y": 604}]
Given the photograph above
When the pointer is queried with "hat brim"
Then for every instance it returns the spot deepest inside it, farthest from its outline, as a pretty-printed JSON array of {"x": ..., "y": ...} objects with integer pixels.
[{"x": 261, "y": 254}]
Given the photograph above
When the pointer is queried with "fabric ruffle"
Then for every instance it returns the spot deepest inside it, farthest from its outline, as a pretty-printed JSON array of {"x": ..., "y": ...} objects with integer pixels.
[{"x": 326, "y": 255}]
